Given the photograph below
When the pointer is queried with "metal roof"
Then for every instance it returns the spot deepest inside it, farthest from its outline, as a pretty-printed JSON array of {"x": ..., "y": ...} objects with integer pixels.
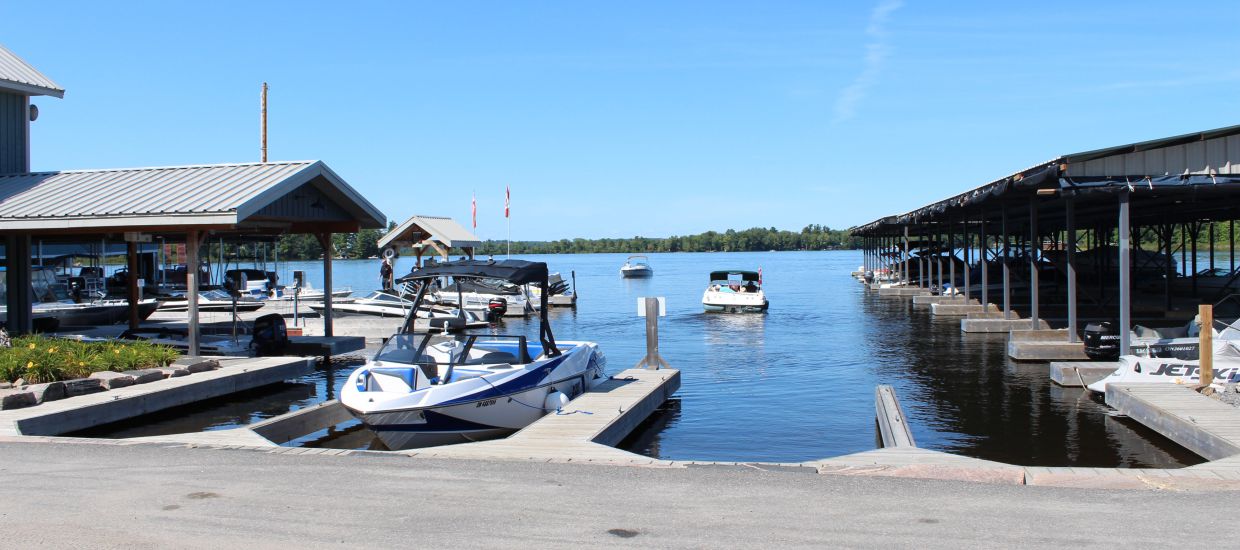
[
  {"x": 225, "y": 194},
  {"x": 439, "y": 229},
  {"x": 18, "y": 76}
]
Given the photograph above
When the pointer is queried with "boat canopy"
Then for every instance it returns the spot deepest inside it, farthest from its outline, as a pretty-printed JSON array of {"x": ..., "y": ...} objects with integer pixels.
[
  {"x": 744, "y": 274},
  {"x": 518, "y": 272}
]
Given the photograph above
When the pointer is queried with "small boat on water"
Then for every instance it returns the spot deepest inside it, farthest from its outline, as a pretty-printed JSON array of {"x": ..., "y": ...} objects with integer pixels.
[
  {"x": 213, "y": 300},
  {"x": 421, "y": 389},
  {"x": 493, "y": 298},
  {"x": 735, "y": 291},
  {"x": 384, "y": 304},
  {"x": 635, "y": 267}
]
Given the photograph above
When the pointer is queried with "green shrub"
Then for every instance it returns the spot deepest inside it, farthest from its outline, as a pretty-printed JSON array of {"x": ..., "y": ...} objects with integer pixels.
[{"x": 40, "y": 359}]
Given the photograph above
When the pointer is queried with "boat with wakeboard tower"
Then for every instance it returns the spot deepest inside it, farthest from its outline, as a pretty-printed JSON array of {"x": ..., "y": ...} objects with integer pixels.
[{"x": 425, "y": 389}]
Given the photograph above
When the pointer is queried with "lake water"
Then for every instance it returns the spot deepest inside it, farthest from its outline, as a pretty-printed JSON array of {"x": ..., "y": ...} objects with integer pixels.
[{"x": 791, "y": 385}]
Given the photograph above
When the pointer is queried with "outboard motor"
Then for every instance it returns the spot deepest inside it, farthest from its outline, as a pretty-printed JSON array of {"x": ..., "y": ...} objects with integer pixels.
[
  {"x": 1102, "y": 341},
  {"x": 270, "y": 335},
  {"x": 496, "y": 308}
]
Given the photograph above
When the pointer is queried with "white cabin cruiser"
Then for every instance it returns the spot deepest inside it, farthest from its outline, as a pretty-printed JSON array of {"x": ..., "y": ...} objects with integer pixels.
[
  {"x": 735, "y": 291},
  {"x": 422, "y": 390},
  {"x": 636, "y": 266}
]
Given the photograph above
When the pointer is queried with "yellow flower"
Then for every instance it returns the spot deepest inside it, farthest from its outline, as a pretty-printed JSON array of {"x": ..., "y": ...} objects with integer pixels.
[
  {"x": 31, "y": 345},
  {"x": 51, "y": 350},
  {"x": 81, "y": 363},
  {"x": 116, "y": 351},
  {"x": 29, "y": 365}
]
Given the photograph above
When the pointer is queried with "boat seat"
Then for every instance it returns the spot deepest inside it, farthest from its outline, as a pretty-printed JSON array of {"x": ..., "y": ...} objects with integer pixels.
[{"x": 494, "y": 357}]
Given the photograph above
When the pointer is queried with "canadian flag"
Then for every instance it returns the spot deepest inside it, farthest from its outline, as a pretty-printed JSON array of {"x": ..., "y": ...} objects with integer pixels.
[
  {"x": 473, "y": 207},
  {"x": 507, "y": 199}
]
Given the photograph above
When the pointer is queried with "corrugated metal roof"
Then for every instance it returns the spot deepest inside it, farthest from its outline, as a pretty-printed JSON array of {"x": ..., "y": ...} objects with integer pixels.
[
  {"x": 221, "y": 193},
  {"x": 18, "y": 76},
  {"x": 441, "y": 229}
]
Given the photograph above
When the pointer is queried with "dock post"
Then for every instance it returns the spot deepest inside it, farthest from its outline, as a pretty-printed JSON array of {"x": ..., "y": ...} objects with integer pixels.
[
  {"x": 951, "y": 250},
  {"x": 968, "y": 259},
  {"x": 651, "y": 310},
  {"x": 192, "y": 241},
  {"x": 984, "y": 248},
  {"x": 1070, "y": 216},
  {"x": 1035, "y": 248},
  {"x": 1007, "y": 276},
  {"x": 1125, "y": 277},
  {"x": 1205, "y": 346},
  {"x": 904, "y": 275}
]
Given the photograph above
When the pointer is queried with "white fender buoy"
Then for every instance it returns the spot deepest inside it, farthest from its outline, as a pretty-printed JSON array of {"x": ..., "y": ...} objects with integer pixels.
[{"x": 555, "y": 401}]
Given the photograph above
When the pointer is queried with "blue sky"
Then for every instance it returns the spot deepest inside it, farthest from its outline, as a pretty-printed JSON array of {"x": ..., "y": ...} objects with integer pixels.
[{"x": 635, "y": 118}]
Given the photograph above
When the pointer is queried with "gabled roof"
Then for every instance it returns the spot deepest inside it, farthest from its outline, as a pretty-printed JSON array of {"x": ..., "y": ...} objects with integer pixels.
[
  {"x": 18, "y": 76},
  {"x": 220, "y": 194},
  {"x": 440, "y": 229}
]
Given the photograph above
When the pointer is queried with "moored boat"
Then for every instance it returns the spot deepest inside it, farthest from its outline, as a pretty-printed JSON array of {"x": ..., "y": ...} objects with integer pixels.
[
  {"x": 735, "y": 291},
  {"x": 635, "y": 267},
  {"x": 422, "y": 390}
]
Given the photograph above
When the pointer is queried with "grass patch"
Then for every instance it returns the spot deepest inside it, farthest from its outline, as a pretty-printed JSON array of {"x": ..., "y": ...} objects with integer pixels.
[{"x": 38, "y": 359}]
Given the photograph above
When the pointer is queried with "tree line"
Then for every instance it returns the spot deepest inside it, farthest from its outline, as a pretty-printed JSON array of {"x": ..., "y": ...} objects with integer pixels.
[{"x": 364, "y": 243}]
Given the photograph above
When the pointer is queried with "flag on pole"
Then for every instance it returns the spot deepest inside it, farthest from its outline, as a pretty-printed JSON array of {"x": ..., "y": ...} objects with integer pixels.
[
  {"x": 507, "y": 199},
  {"x": 473, "y": 207}
]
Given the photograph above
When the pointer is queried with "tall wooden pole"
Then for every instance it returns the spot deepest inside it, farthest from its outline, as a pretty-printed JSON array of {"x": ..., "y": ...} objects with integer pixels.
[
  {"x": 264, "y": 123},
  {"x": 1205, "y": 347}
]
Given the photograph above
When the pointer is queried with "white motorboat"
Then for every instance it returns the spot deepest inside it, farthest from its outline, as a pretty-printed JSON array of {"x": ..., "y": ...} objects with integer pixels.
[
  {"x": 636, "y": 266},
  {"x": 52, "y": 301},
  {"x": 383, "y": 304},
  {"x": 307, "y": 293},
  {"x": 419, "y": 390},
  {"x": 213, "y": 300},
  {"x": 735, "y": 291},
  {"x": 1134, "y": 369},
  {"x": 490, "y": 297},
  {"x": 258, "y": 283}
]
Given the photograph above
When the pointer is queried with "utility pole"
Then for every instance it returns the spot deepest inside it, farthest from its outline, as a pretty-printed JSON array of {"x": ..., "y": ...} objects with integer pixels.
[{"x": 264, "y": 123}]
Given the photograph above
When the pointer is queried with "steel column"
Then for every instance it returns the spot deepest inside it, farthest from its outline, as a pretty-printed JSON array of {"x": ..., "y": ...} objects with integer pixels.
[
  {"x": 192, "y": 261},
  {"x": 1070, "y": 215},
  {"x": 1125, "y": 277},
  {"x": 1007, "y": 276},
  {"x": 1035, "y": 248}
]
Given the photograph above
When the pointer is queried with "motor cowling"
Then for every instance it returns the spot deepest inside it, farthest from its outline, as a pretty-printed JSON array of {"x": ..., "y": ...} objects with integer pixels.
[
  {"x": 1102, "y": 341},
  {"x": 270, "y": 335},
  {"x": 496, "y": 308}
]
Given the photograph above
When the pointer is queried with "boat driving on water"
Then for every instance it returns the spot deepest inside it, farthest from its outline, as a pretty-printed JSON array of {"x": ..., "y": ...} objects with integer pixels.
[
  {"x": 425, "y": 389},
  {"x": 636, "y": 266},
  {"x": 735, "y": 291}
]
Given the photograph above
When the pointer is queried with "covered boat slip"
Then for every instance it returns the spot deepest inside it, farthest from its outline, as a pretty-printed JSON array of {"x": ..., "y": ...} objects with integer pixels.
[
  {"x": 187, "y": 204},
  {"x": 1113, "y": 234},
  {"x": 437, "y": 233}
]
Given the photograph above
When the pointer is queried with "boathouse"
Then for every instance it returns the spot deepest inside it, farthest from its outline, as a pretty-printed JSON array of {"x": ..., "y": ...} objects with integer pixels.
[
  {"x": 1107, "y": 234},
  {"x": 176, "y": 203},
  {"x": 438, "y": 233}
]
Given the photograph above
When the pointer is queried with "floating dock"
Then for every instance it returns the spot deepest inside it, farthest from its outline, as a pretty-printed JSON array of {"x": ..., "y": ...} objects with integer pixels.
[
  {"x": 1078, "y": 374},
  {"x": 1199, "y": 423},
  {"x": 88, "y": 411}
]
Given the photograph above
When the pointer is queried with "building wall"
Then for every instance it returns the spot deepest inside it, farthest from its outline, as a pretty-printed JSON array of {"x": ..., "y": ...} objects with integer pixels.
[{"x": 13, "y": 134}]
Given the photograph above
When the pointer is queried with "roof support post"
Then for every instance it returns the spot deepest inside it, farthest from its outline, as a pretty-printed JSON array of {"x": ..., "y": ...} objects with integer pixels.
[
  {"x": 1193, "y": 234},
  {"x": 951, "y": 250},
  {"x": 1007, "y": 276},
  {"x": 325, "y": 241},
  {"x": 1211, "y": 247},
  {"x": 938, "y": 258},
  {"x": 192, "y": 240},
  {"x": 1035, "y": 248},
  {"x": 17, "y": 277},
  {"x": 1165, "y": 244},
  {"x": 968, "y": 258},
  {"x": 904, "y": 264},
  {"x": 131, "y": 249},
  {"x": 923, "y": 263},
  {"x": 1070, "y": 219},
  {"x": 985, "y": 263},
  {"x": 1125, "y": 276}
]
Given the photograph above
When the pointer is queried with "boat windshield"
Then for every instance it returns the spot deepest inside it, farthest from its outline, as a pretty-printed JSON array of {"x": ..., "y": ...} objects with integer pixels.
[{"x": 457, "y": 350}]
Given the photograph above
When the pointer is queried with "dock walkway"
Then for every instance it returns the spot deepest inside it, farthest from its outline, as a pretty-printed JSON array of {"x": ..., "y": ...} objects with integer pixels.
[{"x": 1201, "y": 424}]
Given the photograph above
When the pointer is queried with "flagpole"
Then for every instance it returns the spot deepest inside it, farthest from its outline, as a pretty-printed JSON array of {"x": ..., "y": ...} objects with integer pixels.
[{"x": 510, "y": 238}]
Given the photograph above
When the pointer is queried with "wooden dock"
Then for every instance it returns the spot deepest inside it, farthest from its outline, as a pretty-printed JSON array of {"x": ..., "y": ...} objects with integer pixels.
[
  {"x": 88, "y": 411},
  {"x": 1201, "y": 424}
]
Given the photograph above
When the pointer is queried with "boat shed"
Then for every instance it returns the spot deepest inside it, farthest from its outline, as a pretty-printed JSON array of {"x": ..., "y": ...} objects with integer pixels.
[
  {"x": 1040, "y": 221},
  {"x": 189, "y": 202},
  {"x": 438, "y": 233}
]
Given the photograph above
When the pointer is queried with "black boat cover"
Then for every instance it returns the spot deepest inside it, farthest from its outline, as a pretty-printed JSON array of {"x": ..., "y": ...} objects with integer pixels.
[{"x": 518, "y": 272}]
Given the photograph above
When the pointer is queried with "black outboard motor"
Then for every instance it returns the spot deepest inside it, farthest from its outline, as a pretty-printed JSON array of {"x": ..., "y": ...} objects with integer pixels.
[
  {"x": 1102, "y": 341},
  {"x": 270, "y": 335},
  {"x": 496, "y": 308}
]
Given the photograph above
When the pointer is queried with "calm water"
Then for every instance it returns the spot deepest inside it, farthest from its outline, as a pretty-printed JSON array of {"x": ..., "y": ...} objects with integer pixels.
[{"x": 791, "y": 385}]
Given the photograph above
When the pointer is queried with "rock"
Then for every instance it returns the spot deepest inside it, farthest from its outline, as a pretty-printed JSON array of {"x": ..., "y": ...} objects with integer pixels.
[
  {"x": 15, "y": 399},
  {"x": 50, "y": 391},
  {"x": 6, "y": 385},
  {"x": 144, "y": 376},
  {"x": 173, "y": 372},
  {"x": 19, "y": 382},
  {"x": 112, "y": 380},
  {"x": 196, "y": 364},
  {"x": 83, "y": 386}
]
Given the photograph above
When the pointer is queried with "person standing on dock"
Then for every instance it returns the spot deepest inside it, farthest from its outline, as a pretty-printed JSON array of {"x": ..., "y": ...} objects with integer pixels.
[{"x": 385, "y": 274}]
